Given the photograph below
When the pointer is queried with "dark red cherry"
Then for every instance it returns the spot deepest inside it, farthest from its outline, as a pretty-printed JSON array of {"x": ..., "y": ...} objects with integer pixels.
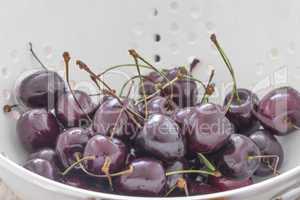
[
  {"x": 209, "y": 129},
  {"x": 111, "y": 116},
  {"x": 150, "y": 83},
  {"x": 104, "y": 148},
  {"x": 76, "y": 181},
  {"x": 184, "y": 91},
  {"x": 69, "y": 143},
  {"x": 237, "y": 159},
  {"x": 181, "y": 116},
  {"x": 161, "y": 137},
  {"x": 279, "y": 110},
  {"x": 46, "y": 154},
  {"x": 37, "y": 129},
  {"x": 224, "y": 184},
  {"x": 196, "y": 188},
  {"x": 147, "y": 179},
  {"x": 240, "y": 111},
  {"x": 40, "y": 89},
  {"x": 268, "y": 146},
  {"x": 43, "y": 168},
  {"x": 160, "y": 105},
  {"x": 69, "y": 113}
]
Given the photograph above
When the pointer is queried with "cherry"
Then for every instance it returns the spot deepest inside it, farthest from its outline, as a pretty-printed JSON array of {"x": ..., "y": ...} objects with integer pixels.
[
  {"x": 104, "y": 148},
  {"x": 183, "y": 91},
  {"x": 238, "y": 158},
  {"x": 111, "y": 118},
  {"x": 269, "y": 146},
  {"x": 46, "y": 154},
  {"x": 196, "y": 188},
  {"x": 70, "y": 143},
  {"x": 43, "y": 168},
  {"x": 279, "y": 110},
  {"x": 37, "y": 129},
  {"x": 209, "y": 129},
  {"x": 224, "y": 183},
  {"x": 182, "y": 116},
  {"x": 69, "y": 113},
  {"x": 161, "y": 137},
  {"x": 147, "y": 179},
  {"x": 150, "y": 82},
  {"x": 160, "y": 105},
  {"x": 240, "y": 111},
  {"x": 40, "y": 89},
  {"x": 76, "y": 181}
]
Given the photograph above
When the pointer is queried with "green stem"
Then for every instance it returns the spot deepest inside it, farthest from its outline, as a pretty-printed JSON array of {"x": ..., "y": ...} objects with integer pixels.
[
  {"x": 216, "y": 173},
  {"x": 126, "y": 83},
  {"x": 120, "y": 66}
]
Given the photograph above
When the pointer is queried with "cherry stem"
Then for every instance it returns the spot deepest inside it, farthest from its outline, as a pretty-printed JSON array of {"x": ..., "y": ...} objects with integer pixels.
[
  {"x": 127, "y": 82},
  {"x": 207, "y": 163},
  {"x": 276, "y": 157},
  {"x": 8, "y": 108},
  {"x": 215, "y": 173},
  {"x": 117, "y": 123},
  {"x": 181, "y": 184},
  {"x": 118, "y": 66},
  {"x": 130, "y": 89},
  {"x": 135, "y": 56},
  {"x": 78, "y": 161},
  {"x": 67, "y": 58},
  {"x": 161, "y": 88},
  {"x": 109, "y": 91},
  {"x": 106, "y": 168},
  {"x": 193, "y": 64},
  {"x": 208, "y": 90},
  {"x": 171, "y": 190},
  {"x": 213, "y": 38},
  {"x": 36, "y": 57}
]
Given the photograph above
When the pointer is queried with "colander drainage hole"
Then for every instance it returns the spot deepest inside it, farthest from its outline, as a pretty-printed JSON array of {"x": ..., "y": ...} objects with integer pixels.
[
  {"x": 157, "y": 58},
  {"x": 157, "y": 37}
]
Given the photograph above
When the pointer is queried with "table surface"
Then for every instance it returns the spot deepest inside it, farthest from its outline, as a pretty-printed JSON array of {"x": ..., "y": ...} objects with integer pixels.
[{"x": 6, "y": 193}]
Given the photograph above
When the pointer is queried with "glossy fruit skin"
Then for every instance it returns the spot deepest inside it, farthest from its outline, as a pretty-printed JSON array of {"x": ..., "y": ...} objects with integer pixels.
[
  {"x": 240, "y": 113},
  {"x": 102, "y": 147},
  {"x": 233, "y": 160},
  {"x": 161, "y": 137},
  {"x": 109, "y": 113},
  {"x": 43, "y": 168},
  {"x": 182, "y": 116},
  {"x": 184, "y": 91},
  {"x": 70, "y": 142},
  {"x": 68, "y": 111},
  {"x": 209, "y": 129},
  {"x": 279, "y": 110},
  {"x": 159, "y": 105},
  {"x": 150, "y": 82},
  {"x": 268, "y": 145},
  {"x": 37, "y": 128},
  {"x": 46, "y": 154},
  {"x": 76, "y": 181},
  {"x": 224, "y": 184},
  {"x": 40, "y": 89},
  {"x": 196, "y": 188},
  {"x": 147, "y": 179}
]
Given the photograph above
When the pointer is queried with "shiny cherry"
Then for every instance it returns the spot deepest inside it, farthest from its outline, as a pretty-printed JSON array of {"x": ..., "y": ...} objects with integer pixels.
[
  {"x": 69, "y": 143},
  {"x": 40, "y": 89},
  {"x": 111, "y": 117},
  {"x": 46, "y": 154},
  {"x": 196, "y": 188},
  {"x": 161, "y": 137},
  {"x": 224, "y": 183},
  {"x": 151, "y": 81},
  {"x": 209, "y": 129},
  {"x": 76, "y": 181},
  {"x": 279, "y": 110},
  {"x": 37, "y": 129},
  {"x": 147, "y": 179},
  {"x": 268, "y": 146},
  {"x": 160, "y": 105},
  {"x": 102, "y": 148},
  {"x": 43, "y": 168},
  {"x": 68, "y": 111},
  {"x": 237, "y": 158},
  {"x": 240, "y": 111}
]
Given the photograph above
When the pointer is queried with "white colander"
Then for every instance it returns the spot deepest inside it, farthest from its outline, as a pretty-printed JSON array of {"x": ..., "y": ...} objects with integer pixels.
[{"x": 261, "y": 38}]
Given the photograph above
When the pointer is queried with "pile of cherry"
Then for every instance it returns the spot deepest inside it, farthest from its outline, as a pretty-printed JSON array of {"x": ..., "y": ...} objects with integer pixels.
[{"x": 166, "y": 142}]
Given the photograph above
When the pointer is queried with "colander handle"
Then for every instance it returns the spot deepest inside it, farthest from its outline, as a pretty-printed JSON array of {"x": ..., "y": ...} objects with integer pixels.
[{"x": 292, "y": 193}]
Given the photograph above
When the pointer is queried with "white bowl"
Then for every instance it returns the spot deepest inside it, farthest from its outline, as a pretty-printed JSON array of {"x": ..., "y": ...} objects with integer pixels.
[{"x": 260, "y": 37}]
